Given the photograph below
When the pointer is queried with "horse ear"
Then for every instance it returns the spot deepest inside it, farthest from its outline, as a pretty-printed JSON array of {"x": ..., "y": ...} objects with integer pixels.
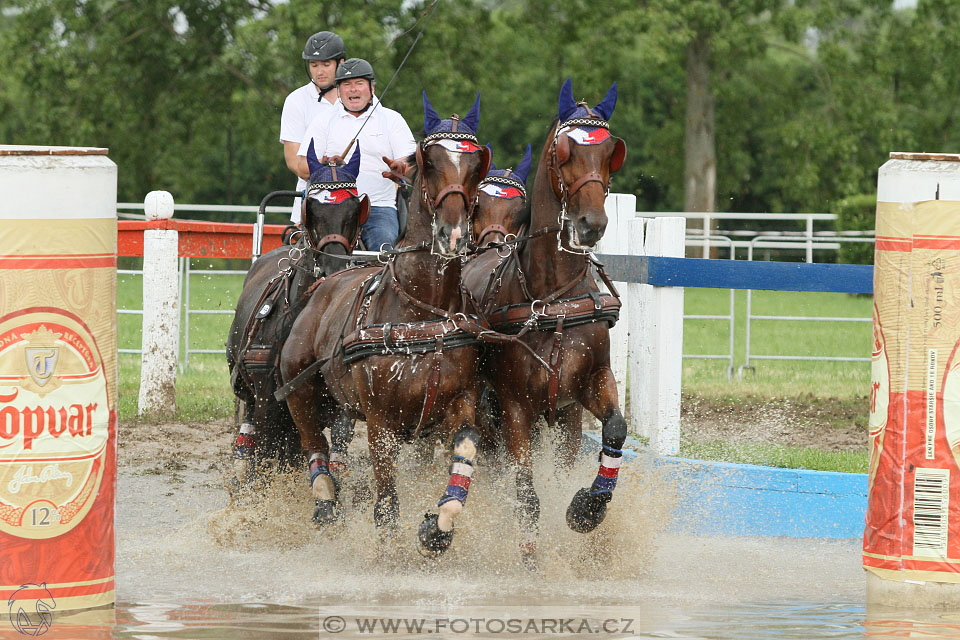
[
  {"x": 523, "y": 169},
  {"x": 472, "y": 119},
  {"x": 619, "y": 155},
  {"x": 313, "y": 163},
  {"x": 420, "y": 157},
  {"x": 486, "y": 158},
  {"x": 353, "y": 167},
  {"x": 492, "y": 166},
  {"x": 563, "y": 148},
  {"x": 364, "y": 212},
  {"x": 430, "y": 118},
  {"x": 606, "y": 106},
  {"x": 566, "y": 104}
]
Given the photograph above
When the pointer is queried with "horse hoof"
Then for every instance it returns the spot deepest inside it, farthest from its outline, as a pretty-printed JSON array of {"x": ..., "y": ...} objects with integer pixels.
[
  {"x": 587, "y": 510},
  {"x": 433, "y": 541},
  {"x": 528, "y": 557},
  {"x": 326, "y": 512},
  {"x": 386, "y": 513}
]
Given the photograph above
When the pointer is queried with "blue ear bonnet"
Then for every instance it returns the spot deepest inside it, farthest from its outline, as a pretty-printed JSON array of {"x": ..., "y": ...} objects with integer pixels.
[
  {"x": 570, "y": 109},
  {"x": 519, "y": 174},
  {"x": 432, "y": 123},
  {"x": 346, "y": 174}
]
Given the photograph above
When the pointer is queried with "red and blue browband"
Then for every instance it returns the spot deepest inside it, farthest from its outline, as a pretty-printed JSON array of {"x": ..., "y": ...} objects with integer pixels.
[
  {"x": 331, "y": 192},
  {"x": 585, "y": 131},
  {"x": 499, "y": 187}
]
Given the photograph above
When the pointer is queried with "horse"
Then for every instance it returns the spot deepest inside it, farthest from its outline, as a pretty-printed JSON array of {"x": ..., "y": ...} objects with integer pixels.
[
  {"x": 274, "y": 293},
  {"x": 546, "y": 295},
  {"x": 394, "y": 345},
  {"x": 502, "y": 206}
]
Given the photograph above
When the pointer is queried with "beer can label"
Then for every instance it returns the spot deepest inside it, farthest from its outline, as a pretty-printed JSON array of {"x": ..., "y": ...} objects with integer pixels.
[{"x": 54, "y": 422}]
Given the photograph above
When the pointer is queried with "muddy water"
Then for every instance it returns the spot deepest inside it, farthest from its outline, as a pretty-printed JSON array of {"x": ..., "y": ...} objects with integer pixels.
[{"x": 189, "y": 566}]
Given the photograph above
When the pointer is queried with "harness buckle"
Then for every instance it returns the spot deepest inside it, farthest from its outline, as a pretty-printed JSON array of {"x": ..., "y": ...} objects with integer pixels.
[{"x": 533, "y": 309}]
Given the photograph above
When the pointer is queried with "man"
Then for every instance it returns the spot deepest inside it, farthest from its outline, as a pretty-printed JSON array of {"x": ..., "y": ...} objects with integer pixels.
[
  {"x": 384, "y": 134},
  {"x": 322, "y": 53}
]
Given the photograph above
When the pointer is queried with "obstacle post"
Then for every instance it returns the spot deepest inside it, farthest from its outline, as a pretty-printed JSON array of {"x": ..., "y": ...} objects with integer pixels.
[
  {"x": 58, "y": 381},
  {"x": 161, "y": 311},
  {"x": 621, "y": 210},
  {"x": 656, "y": 336},
  {"x": 909, "y": 547}
]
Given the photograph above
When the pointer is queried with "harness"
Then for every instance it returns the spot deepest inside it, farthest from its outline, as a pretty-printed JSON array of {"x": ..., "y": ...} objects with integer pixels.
[
  {"x": 554, "y": 312},
  {"x": 299, "y": 274}
]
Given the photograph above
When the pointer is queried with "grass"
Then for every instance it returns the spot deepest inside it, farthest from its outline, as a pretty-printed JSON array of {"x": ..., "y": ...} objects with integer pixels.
[
  {"x": 777, "y": 456},
  {"x": 203, "y": 391}
]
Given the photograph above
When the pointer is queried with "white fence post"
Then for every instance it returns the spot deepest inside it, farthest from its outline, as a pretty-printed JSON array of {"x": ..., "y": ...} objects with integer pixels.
[
  {"x": 621, "y": 209},
  {"x": 661, "y": 332},
  {"x": 161, "y": 311},
  {"x": 641, "y": 355}
]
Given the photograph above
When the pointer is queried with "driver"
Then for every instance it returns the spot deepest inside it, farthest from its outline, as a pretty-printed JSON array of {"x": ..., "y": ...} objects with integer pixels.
[
  {"x": 322, "y": 53},
  {"x": 385, "y": 137}
]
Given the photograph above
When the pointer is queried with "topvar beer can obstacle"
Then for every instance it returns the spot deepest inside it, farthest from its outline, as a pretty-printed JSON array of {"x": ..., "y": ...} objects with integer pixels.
[
  {"x": 911, "y": 545},
  {"x": 58, "y": 376}
]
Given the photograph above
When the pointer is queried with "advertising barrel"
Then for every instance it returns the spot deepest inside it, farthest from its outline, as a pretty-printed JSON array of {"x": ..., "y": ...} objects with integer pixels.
[
  {"x": 58, "y": 381},
  {"x": 911, "y": 545}
]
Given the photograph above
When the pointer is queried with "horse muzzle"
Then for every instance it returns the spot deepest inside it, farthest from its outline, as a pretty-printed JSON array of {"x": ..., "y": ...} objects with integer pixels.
[
  {"x": 451, "y": 240},
  {"x": 583, "y": 234}
]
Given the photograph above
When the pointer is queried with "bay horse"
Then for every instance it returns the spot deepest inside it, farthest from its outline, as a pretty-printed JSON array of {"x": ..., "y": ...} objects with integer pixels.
[
  {"x": 548, "y": 296},
  {"x": 388, "y": 343},
  {"x": 274, "y": 293}
]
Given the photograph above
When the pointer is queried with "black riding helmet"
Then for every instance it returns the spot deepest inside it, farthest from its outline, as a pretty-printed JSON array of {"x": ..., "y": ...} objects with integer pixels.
[
  {"x": 354, "y": 68},
  {"x": 324, "y": 45}
]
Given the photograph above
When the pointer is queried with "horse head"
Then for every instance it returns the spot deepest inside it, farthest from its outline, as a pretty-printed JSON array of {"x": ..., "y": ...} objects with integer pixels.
[
  {"x": 332, "y": 211},
  {"x": 581, "y": 155},
  {"x": 502, "y": 204},
  {"x": 450, "y": 164}
]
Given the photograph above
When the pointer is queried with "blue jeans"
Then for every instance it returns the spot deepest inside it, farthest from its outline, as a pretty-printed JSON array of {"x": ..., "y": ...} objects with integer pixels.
[{"x": 382, "y": 227}]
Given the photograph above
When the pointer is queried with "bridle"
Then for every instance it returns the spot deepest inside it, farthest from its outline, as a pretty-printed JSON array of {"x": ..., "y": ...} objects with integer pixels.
[
  {"x": 433, "y": 202},
  {"x": 560, "y": 155},
  {"x": 335, "y": 238},
  {"x": 503, "y": 181}
]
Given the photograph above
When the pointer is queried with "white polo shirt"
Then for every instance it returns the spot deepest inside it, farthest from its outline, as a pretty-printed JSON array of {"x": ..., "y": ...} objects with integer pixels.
[
  {"x": 387, "y": 134},
  {"x": 300, "y": 108}
]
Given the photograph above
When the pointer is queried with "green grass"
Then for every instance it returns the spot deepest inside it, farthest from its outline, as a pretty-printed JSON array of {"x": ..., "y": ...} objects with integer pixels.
[
  {"x": 777, "y": 456},
  {"x": 772, "y": 378}
]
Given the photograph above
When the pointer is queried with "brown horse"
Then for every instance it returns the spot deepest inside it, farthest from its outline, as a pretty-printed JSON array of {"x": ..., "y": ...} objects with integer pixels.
[
  {"x": 550, "y": 297},
  {"x": 388, "y": 342},
  {"x": 274, "y": 293}
]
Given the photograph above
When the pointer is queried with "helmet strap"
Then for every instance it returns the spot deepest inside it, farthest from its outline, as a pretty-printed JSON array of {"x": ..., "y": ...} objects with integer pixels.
[
  {"x": 358, "y": 111},
  {"x": 324, "y": 92}
]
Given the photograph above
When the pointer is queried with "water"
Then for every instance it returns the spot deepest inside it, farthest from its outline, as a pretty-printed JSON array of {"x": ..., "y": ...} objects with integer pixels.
[{"x": 188, "y": 567}]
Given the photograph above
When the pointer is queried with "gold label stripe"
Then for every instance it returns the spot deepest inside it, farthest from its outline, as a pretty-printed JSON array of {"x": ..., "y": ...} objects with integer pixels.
[{"x": 58, "y": 585}]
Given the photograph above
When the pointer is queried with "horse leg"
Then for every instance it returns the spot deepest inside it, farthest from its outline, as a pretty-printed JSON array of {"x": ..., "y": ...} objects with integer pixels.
[
  {"x": 569, "y": 421},
  {"x": 589, "y": 506},
  {"x": 244, "y": 448},
  {"x": 384, "y": 449},
  {"x": 341, "y": 434},
  {"x": 517, "y": 421},
  {"x": 311, "y": 409},
  {"x": 436, "y": 529}
]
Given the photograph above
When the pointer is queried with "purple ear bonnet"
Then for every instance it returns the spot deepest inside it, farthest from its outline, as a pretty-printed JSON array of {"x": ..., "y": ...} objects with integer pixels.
[
  {"x": 323, "y": 173},
  {"x": 568, "y": 109},
  {"x": 576, "y": 120},
  {"x": 433, "y": 124},
  {"x": 506, "y": 183},
  {"x": 520, "y": 173}
]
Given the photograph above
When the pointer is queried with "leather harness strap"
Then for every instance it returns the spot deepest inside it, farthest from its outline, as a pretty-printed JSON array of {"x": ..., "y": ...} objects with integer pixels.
[{"x": 556, "y": 361}]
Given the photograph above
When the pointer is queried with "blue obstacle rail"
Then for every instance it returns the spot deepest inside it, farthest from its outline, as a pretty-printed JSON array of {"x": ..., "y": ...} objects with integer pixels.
[
  {"x": 721, "y": 498},
  {"x": 732, "y": 274},
  {"x": 717, "y": 498}
]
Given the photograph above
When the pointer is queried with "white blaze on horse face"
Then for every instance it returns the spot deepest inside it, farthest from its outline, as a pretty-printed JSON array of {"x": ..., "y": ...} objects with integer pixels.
[{"x": 454, "y": 237}]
